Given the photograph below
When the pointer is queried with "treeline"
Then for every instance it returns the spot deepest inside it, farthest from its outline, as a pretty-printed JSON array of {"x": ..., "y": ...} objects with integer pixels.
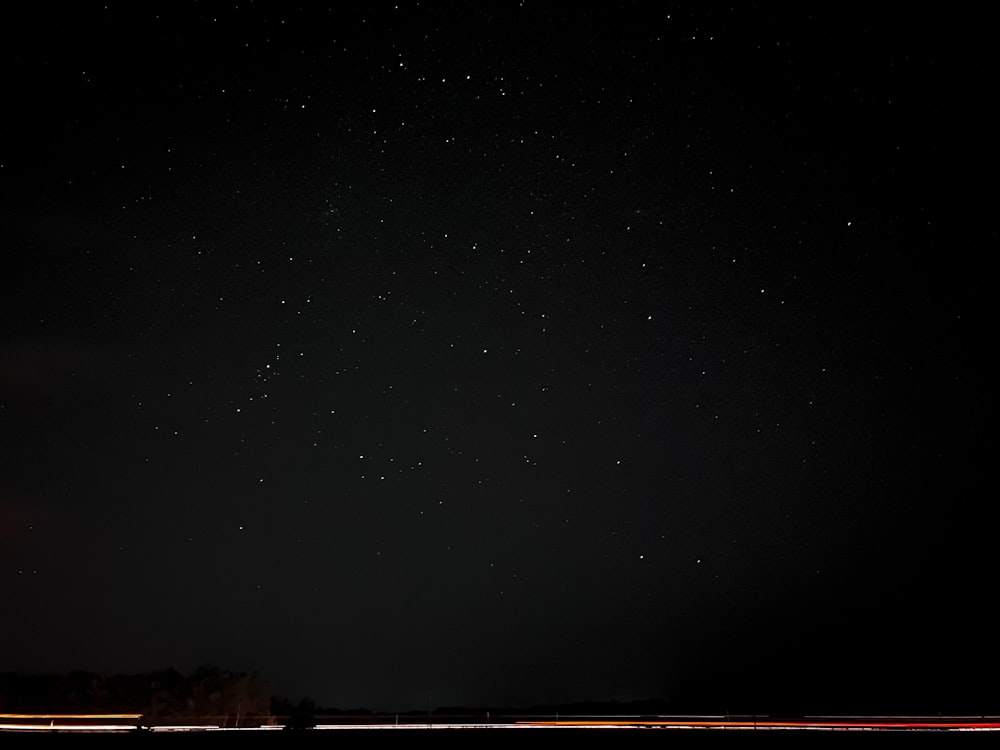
[
  {"x": 220, "y": 697},
  {"x": 209, "y": 695}
]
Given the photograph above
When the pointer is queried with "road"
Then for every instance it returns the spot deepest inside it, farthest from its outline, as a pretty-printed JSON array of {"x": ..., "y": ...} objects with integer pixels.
[{"x": 124, "y": 723}]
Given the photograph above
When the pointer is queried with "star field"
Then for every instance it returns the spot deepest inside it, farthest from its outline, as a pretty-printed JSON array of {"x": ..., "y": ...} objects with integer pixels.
[{"x": 504, "y": 355}]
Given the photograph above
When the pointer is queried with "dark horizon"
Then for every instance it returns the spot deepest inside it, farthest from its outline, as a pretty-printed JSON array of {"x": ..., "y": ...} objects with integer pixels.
[
  {"x": 515, "y": 355},
  {"x": 92, "y": 692}
]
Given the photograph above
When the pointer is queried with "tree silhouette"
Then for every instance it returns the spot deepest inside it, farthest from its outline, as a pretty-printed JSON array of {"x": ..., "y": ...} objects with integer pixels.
[{"x": 302, "y": 716}]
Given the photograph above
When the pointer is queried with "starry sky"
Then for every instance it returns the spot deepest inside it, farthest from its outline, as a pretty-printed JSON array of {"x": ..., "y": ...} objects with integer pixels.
[{"x": 496, "y": 355}]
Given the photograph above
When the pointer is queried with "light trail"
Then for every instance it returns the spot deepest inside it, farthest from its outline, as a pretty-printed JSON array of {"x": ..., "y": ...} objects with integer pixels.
[{"x": 129, "y": 722}]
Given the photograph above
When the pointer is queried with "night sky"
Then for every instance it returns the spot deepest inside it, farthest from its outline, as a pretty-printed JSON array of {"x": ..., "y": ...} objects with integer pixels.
[{"x": 501, "y": 354}]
